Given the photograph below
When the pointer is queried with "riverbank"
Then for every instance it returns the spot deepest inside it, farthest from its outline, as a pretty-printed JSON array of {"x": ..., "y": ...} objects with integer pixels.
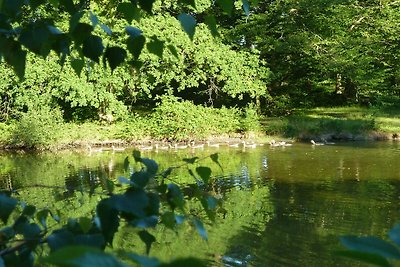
[{"x": 346, "y": 123}]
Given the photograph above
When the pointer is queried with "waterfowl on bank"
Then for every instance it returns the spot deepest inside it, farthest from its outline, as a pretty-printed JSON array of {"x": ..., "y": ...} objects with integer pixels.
[
  {"x": 91, "y": 149},
  {"x": 232, "y": 144},
  {"x": 273, "y": 143},
  {"x": 316, "y": 144},
  {"x": 117, "y": 148},
  {"x": 150, "y": 147},
  {"x": 176, "y": 146},
  {"x": 212, "y": 145},
  {"x": 158, "y": 147},
  {"x": 193, "y": 145},
  {"x": 249, "y": 145}
]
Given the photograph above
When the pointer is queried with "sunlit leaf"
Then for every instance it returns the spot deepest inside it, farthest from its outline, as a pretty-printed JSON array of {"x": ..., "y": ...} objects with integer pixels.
[
  {"x": 93, "y": 47},
  {"x": 365, "y": 257},
  {"x": 205, "y": 173},
  {"x": 394, "y": 234},
  {"x": 82, "y": 256},
  {"x": 115, "y": 56},
  {"x": 106, "y": 29},
  {"x": 371, "y": 245},
  {"x": 200, "y": 228},
  {"x": 93, "y": 19},
  {"x": 188, "y": 24},
  {"x": 148, "y": 239},
  {"x": 7, "y": 205},
  {"x": 156, "y": 47}
]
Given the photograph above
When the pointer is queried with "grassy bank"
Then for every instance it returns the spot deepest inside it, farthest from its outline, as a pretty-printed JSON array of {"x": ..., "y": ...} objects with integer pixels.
[
  {"x": 172, "y": 120},
  {"x": 345, "y": 123}
]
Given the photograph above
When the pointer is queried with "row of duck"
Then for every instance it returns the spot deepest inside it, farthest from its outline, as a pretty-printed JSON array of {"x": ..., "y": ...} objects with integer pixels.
[{"x": 193, "y": 145}]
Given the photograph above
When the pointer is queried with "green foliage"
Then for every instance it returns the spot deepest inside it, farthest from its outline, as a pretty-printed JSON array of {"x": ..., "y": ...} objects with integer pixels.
[
  {"x": 373, "y": 250},
  {"x": 145, "y": 201},
  {"x": 38, "y": 128},
  {"x": 183, "y": 120},
  {"x": 251, "y": 120}
]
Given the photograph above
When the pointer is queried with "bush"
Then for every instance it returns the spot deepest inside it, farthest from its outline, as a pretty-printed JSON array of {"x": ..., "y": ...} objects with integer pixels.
[{"x": 38, "y": 128}]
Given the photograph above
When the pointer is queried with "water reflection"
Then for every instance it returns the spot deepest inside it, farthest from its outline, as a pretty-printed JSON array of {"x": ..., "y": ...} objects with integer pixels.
[{"x": 283, "y": 206}]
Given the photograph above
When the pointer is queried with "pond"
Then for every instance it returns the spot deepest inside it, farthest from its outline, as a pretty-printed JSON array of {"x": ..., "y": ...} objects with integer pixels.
[{"x": 285, "y": 206}]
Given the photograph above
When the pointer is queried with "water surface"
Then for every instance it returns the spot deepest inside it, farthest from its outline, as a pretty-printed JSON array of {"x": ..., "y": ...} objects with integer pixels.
[{"x": 283, "y": 206}]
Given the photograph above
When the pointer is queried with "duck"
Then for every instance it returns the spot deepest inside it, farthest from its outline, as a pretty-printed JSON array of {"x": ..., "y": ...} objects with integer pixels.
[
  {"x": 176, "y": 146},
  {"x": 150, "y": 147},
  {"x": 193, "y": 145},
  {"x": 274, "y": 143},
  {"x": 212, "y": 145},
  {"x": 316, "y": 144},
  {"x": 249, "y": 145},
  {"x": 232, "y": 145},
  {"x": 283, "y": 143},
  {"x": 157, "y": 146},
  {"x": 117, "y": 148},
  {"x": 94, "y": 149}
]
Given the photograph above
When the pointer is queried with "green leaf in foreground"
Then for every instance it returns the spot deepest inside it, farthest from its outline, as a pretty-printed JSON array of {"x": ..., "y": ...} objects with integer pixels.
[
  {"x": 394, "y": 234},
  {"x": 156, "y": 47},
  {"x": 93, "y": 47},
  {"x": 200, "y": 228},
  {"x": 115, "y": 56},
  {"x": 148, "y": 239},
  {"x": 7, "y": 205},
  {"x": 82, "y": 256},
  {"x": 77, "y": 64},
  {"x": 214, "y": 158},
  {"x": 192, "y": 262},
  {"x": 129, "y": 11},
  {"x": 143, "y": 260},
  {"x": 212, "y": 25},
  {"x": 365, "y": 257},
  {"x": 372, "y": 245},
  {"x": 205, "y": 173},
  {"x": 188, "y": 24}
]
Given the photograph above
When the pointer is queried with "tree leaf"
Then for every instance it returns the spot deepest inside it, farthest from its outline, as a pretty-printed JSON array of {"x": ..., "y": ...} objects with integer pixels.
[
  {"x": 106, "y": 29},
  {"x": 200, "y": 228},
  {"x": 148, "y": 239},
  {"x": 81, "y": 32},
  {"x": 212, "y": 25},
  {"x": 175, "y": 197},
  {"x": 93, "y": 47},
  {"x": 226, "y": 5},
  {"x": 147, "y": 222},
  {"x": 394, "y": 234},
  {"x": 82, "y": 256},
  {"x": 77, "y": 64},
  {"x": 140, "y": 179},
  {"x": 74, "y": 20},
  {"x": 214, "y": 158},
  {"x": 36, "y": 37},
  {"x": 14, "y": 56},
  {"x": 191, "y": 160},
  {"x": 188, "y": 2},
  {"x": 109, "y": 220},
  {"x": 126, "y": 164},
  {"x": 41, "y": 216},
  {"x": 85, "y": 224},
  {"x": 29, "y": 210},
  {"x": 7, "y": 205},
  {"x": 12, "y": 8},
  {"x": 135, "y": 42},
  {"x": 151, "y": 166},
  {"x": 365, "y": 257},
  {"x": 68, "y": 6},
  {"x": 192, "y": 262},
  {"x": 115, "y": 56},
  {"x": 173, "y": 51},
  {"x": 246, "y": 7},
  {"x": 143, "y": 260},
  {"x": 371, "y": 245},
  {"x": 188, "y": 24},
  {"x": 146, "y": 5},
  {"x": 156, "y": 47},
  {"x": 124, "y": 180},
  {"x": 94, "y": 19},
  {"x": 205, "y": 173},
  {"x": 129, "y": 11}
]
